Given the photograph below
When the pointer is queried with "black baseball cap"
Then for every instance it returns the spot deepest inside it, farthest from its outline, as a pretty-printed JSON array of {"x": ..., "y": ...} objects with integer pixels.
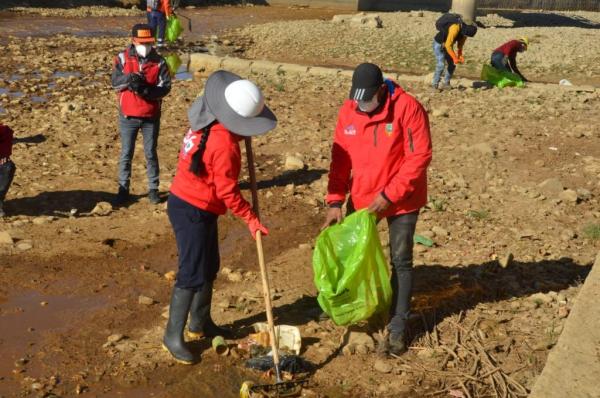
[
  {"x": 142, "y": 33},
  {"x": 366, "y": 80}
]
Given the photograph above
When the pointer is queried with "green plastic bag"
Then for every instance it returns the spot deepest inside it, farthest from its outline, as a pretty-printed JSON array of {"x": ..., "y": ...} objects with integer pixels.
[
  {"x": 173, "y": 63},
  {"x": 500, "y": 78},
  {"x": 174, "y": 29},
  {"x": 350, "y": 270}
]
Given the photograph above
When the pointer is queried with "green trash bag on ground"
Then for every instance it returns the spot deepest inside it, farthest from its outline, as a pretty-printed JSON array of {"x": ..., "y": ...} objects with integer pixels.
[
  {"x": 174, "y": 29},
  {"x": 350, "y": 270},
  {"x": 500, "y": 78}
]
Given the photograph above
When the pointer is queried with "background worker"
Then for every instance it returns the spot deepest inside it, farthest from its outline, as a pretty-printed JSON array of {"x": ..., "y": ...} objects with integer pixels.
[
  {"x": 157, "y": 12},
  {"x": 452, "y": 29},
  {"x": 505, "y": 57},
  {"x": 381, "y": 151},
  {"x": 204, "y": 187},
  {"x": 7, "y": 167},
  {"x": 141, "y": 78}
]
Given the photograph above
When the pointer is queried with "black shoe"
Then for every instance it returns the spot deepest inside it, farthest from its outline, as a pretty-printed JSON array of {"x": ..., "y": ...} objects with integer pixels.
[
  {"x": 201, "y": 323},
  {"x": 396, "y": 345},
  {"x": 153, "y": 196},
  {"x": 173, "y": 341},
  {"x": 122, "y": 196}
]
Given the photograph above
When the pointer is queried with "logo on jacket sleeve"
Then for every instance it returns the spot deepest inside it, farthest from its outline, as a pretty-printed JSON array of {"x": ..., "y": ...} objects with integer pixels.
[
  {"x": 188, "y": 142},
  {"x": 350, "y": 130}
]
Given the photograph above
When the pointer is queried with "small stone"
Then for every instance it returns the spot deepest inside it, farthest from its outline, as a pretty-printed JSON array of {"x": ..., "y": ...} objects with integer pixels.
[
  {"x": 37, "y": 386},
  {"x": 567, "y": 235},
  {"x": 551, "y": 187},
  {"x": 584, "y": 194},
  {"x": 304, "y": 246},
  {"x": 563, "y": 312},
  {"x": 170, "y": 276},
  {"x": 382, "y": 366},
  {"x": 360, "y": 338},
  {"x": 5, "y": 238},
  {"x": 44, "y": 303},
  {"x": 541, "y": 298},
  {"x": 505, "y": 260},
  {"x": 40, "y": 220},
  {"x": 439, "y": 231},
  {"x": 293, "y": 163},
  {"x": 348, "y": 350},
  {"x": 361, "y": 349},
  {"x": 24, "y": 246},
  {"x": 569, "y": 196},
  {"x": 235, "y": 276},
  {"x": 102, "y": 209},
  {"x": 145, "y": 300},
  {"x": 114, "y": 338},
  {"x": 484, "y": 148},
  {"x": 440, "y": 112}
]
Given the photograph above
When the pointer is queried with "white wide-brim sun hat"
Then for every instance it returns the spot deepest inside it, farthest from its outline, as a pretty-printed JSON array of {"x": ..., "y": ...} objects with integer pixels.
[{"x": 238, "y": 104}]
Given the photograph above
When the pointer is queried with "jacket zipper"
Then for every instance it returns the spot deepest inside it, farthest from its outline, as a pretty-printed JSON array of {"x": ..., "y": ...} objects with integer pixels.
[
  {"x": 375, "y": 135},
  {"x": 410, "y": 140}
]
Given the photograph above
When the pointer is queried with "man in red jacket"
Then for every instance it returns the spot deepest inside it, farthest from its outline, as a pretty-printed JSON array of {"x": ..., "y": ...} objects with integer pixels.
[
  {"x": 505, "y": 57},
  {"x": 141, "y": 78},
  {"x": 7, "y": 167},
  {"x": 380, "y": 154}
]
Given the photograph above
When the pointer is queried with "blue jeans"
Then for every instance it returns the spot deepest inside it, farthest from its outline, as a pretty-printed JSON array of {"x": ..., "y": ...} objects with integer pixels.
[
  {"x": 499, "y": 62},
  {"x": 158, "y": 21},
  {"x": 129, "y": 127},
  {"x": 441, "y": 58}
]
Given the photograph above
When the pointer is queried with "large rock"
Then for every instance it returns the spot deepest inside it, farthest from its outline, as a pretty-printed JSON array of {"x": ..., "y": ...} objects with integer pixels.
[
  {"x": 552, "y": 187},
  {"x": 357, "y": 338},
  {"x": 5, "y": 238},
  {"x": 362, "y": 19}
]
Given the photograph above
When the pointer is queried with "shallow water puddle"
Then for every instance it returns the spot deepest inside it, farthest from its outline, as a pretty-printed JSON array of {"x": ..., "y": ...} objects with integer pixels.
[{"x": 24, "y": 320}]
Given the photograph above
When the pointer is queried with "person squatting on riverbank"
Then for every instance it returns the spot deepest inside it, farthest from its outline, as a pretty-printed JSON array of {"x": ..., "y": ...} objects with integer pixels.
[
  {"x": 381, "y": 151},
  {"x": 452, "y": 29},
  {"x": 205, "y": 186},
  {"x": 7, "y": 166},
  {"x": 141, "y": 78},
  {"x": 505, "y": 57},
  {"x": 157, "y": 12}
]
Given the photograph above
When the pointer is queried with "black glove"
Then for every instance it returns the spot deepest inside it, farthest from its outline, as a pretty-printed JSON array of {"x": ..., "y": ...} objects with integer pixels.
[{"x": 135, "y": 81}]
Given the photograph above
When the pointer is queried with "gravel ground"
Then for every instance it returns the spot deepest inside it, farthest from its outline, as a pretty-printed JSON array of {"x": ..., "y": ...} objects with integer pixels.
[
  {"x": 79, "y": 12},
  {"x": 559, "y": 46}
]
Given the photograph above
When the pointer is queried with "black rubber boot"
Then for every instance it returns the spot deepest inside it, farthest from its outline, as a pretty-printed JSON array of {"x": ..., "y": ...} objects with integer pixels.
[
  {"x": 201, "y": 323},
  {"x": 396, "y": 344},
  {"x": 178, "y": 312}
]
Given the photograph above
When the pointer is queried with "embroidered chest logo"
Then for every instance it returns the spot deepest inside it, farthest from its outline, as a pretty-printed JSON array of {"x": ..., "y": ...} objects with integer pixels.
[
  {"x": 350, "y": 130},
  {"x": 188, "y": 143},
  {"x": 389, "y": 129}
]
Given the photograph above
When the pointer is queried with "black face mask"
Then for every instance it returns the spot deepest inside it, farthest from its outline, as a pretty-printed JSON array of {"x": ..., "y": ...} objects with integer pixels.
[{"x": 469, "y": 30}]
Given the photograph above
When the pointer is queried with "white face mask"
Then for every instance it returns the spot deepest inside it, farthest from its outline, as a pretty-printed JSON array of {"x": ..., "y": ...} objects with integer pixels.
[
  {"x": 369, "y": 106},
  {"x": 143, "y": 49}
]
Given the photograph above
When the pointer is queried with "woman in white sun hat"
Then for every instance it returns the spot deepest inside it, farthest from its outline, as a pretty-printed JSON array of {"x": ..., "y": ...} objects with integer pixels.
[{"x": 204, "y": 187}]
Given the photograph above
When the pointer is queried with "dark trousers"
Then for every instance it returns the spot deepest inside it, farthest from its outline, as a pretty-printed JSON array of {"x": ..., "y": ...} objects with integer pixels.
[
  {"x": 7, "y": 173},
  {"x": 197, "y": 237},
  {"x": 158, "y": 21},
  {"x": 129, "y": 127},
  {"x": 402, "y": 231}
]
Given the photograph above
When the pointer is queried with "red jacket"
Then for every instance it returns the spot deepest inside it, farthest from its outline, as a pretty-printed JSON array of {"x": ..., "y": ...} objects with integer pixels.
[
  {"x": 216, "y": 190},
  {"x": 510, "y": 49},
  {"x": 6, "y": 138},
  {"x": 387, "y": 153},
  {"x": 156, "y": 73}
]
